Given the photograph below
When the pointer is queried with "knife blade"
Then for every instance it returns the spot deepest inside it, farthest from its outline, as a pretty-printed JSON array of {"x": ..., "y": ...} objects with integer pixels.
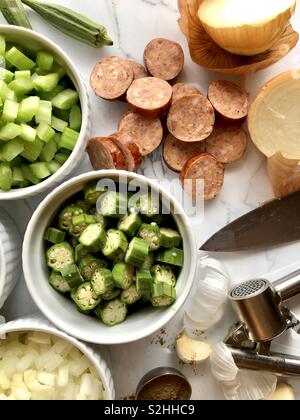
[{"x": 275, "y": 223}]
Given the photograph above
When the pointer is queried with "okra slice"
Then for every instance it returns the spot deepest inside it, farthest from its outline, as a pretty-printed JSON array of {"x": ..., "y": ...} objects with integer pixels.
[
  {"x": 123, "y": 275},
  {"x": 65, "y": 217},
  {"x": 149, "y": 261},
  {"x": 80, "y": 223},
  {"x": 149, "y": 206},
  {"x": 112, "y": 313},
  {"x": 173, "y": 256},
  {"x": 59, "y": 283},
  {"x": 100, "y": 218},
  {"x": 113, "y": 204},
  {"x": 151, "y": 234},
  {"x": 72, "y": 275},
  {"x": 92, "y": 192},
  {"x": 93, "y": 237},
  {"x": 131, "y": 295},
  {"x": 60, "y": 256},
  {"x": 170, "y": 238},
  {"x": 163, "y": 274},
  {"x": 111, "y": 295},
  {"x": 130, "y": 223},
  {"x": 86, "y": 207},
  {"x": 80, "y": 252},
  {"x": 88, "y": 265},
  {"x": 85, "y": 297},
  {"x": 102, "y": 281},
  {"x": 137, "y": 252},
  {"x": 55, "y": 236},
  {"x": 116, "y": 245},
  {"x": 163, "y": 295},
  {"x": 144, "y": 283}
]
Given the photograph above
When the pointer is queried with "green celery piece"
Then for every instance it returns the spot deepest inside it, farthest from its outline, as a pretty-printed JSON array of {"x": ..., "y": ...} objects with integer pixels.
[
  {"x": 16, "y": 162},
  {"x": 21, "y": 86},
  {"x": 28, "y": 108},
  {"x": 65, "y": 99},
  {"x": 40, "y": 170},
  {"x": 61, "y": 158},
  {"x": 17, "y": 176},
  {"x": 53, "y": 166},
  {"x": 27, "y": 173},
  {"x": 48, "y": 96},
  {"x": 48, "y": 152},
  {"x": 6, "y": 177},
  {"x": 28, "y": 133},
  {"x": 44, "y": 60},
  {"x": 59, "y": 70},
  {"x": 10, "y": 110},
  {"x": 58, "y": 124},
  {"x": 32, "y": 150},
  {"x": 44, "y": 113},
  {"x": 10, "y": 131},
  {"x": 22, "y": 74},
  {"x": 45, "y": 132},
  {"x": 2, "y": 45},
  {"x": 6, "y": 75},
  {"x": 4, "y": 90},
  {"x": 11, "y": 150},
  {"x": 46, "y": 83},
  {"x": 19, "y": 60},
  {"x": 68, "y": 139},
  {"x": 75, "y": 118}
]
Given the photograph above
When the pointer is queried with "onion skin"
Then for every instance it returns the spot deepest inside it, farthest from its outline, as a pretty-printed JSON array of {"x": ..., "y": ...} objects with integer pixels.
[{"x": 250, "y": 40}]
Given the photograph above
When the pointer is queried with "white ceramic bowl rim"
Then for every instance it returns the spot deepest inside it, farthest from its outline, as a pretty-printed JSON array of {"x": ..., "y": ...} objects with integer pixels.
[
  {"x": 2, "y": 268},
  {"x": 55, "y": 178},
  {"x": 54, "y": 316}
]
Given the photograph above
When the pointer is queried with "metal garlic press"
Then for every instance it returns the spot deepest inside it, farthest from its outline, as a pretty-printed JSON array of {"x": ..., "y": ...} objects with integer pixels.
[{"x": 263, "y": 316}]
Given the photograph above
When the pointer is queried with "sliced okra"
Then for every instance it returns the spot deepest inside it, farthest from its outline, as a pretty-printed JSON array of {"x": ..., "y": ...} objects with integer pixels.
[
  {"x": 59, "y": 283},
  {"x": 111, "y": 295},
  {"x": 80, "y": 252},
  {"x": 131, "y": 295},
  {"x": 151, "y": 234},
  {"x": 163, "y": 295},
  {"x": 170, "y": 238},
  {"x": 72, "y": 275},
  {"x": 102, "y": 281},
  {"x": 123, "y": 275},
  {"x": 88, "y": 265},
  {"x": 144, "y": 283},
  {"x": 137, "y": 252},
  {"x": 86, "y": 207},
  {"x": 85, "y": 297},
  {"x": 116, "y": 245},
  {"x": 93, "y": 237},
  {"x": 100, "y": 218},
  {"x": 163, "y": 274},
  {"x": 65, "y": 217},
  {"x": 60, "y": 256},
  {"x": 113, "y": 204},
  {"x": 92, "y": 192},
  {"x": 149, "y": 261},
  {"x": 80, "y": 223},
  {"x": 55, "y": 236},
  {"x": 149, "y": 205},
  {"x": 173, "y": 256},
  {"x": 112, "y": 313},
  {"x": 130, "y": 223}
]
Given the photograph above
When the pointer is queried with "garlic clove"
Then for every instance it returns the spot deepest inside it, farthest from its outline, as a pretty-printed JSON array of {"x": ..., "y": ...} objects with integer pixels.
[
  {"x": 223, "y": 366},
  {"x": 283, "y": 392},
  {"x": 192, "y": 351}
]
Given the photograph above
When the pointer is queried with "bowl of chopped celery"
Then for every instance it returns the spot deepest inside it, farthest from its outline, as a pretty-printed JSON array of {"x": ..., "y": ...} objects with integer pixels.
[
  {"x": 109, "y": 257},
  {"x": 39, "y": 362},
  {"x": 44, "y": 121}
]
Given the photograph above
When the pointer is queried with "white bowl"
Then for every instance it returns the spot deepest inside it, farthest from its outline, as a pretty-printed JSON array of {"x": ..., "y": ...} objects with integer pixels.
[
  {"x": 10, "y": 256},
  {"x": 41, "y": 325},
  {"x": 35, "y": 41},
  {"x": 62, "y": 312}
]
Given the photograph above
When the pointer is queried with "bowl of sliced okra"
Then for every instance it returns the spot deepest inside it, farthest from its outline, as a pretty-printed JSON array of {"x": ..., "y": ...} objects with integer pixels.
[
  {"x": 44, "y": 114},
  {"x": 109, "y": 257}
]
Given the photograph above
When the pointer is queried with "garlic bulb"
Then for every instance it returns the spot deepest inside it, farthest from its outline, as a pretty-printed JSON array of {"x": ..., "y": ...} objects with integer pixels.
[
  {"x": 246, "y": 27},
  {"x": 223, "y": 366}
]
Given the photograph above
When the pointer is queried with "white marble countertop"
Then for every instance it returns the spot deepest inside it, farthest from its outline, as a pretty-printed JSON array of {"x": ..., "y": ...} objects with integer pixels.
[{"x": 132, "y": 24}]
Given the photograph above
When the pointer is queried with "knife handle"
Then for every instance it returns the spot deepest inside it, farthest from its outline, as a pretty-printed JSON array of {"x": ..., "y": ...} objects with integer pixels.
[{"x": 289, "y": 286}]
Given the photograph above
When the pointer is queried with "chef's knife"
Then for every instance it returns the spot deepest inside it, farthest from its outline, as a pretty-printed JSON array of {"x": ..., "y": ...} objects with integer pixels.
[{"x": 275, "y": 223}]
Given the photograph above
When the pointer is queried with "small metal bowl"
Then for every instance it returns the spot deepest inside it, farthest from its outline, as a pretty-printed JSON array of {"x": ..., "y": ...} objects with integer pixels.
[{"x": 164, "y": 384}]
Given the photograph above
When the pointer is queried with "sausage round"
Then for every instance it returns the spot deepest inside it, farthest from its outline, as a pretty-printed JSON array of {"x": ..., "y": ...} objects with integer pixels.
[
  {"x": 129, "y": 148},
  {"x": 176, "y": 153},
  {"x": 227, "y": 143},
  {"x": 111, "y": 77},
  {"x": 191, "y": 118},
  {"x": 147, "y": 133},
  {"x": 202, "y": 167},
  {"x": 228, "y": 99},
  {"x": 105, "y": 154},
  {"x": 150, "y": 97},
  {"x": 164, "y": 59},
  {"x": 184, "y": 89},
  {"x": 139, "y": 71}
]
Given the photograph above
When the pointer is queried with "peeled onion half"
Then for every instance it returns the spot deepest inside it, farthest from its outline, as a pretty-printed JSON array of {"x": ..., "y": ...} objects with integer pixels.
[{"x": 246, "y": 27}]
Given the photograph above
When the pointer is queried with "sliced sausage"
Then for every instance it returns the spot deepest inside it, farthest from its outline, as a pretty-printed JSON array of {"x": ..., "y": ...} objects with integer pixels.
[
  {"x": 130, "y": 149},
  {"x": 176, "y": 153},
  {"x": 139, "y": 71},
  {"x": 150, "y": 97},
  {"x": 164, "y": 59},
  {"x": 147, "y": 133},
  {"x": 228, "y": 99},
  {"x": 111, "y": 77},
  {"x": 191, "y": 118},
  {"x": 184, "y": 89},
  {"x": 105, "y": 154},
  {"x": 227, "y": 143},
  {"x": 202, "y": 167}
]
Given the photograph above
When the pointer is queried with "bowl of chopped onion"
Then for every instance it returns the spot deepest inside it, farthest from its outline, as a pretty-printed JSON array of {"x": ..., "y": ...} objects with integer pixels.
[
  {"x": 39, "y": 362},
  {"x": 44, "y": 114}
]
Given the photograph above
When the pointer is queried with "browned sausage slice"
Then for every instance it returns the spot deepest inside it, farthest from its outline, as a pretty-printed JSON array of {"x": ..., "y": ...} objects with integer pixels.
[
  {"x": 111, "y": 77},
  {"x": 147, "y": 133},
  {"x": 139, "y": 71},
  {"x": 150, "y": 97},
  {"x": 105, "y": 154},
  {"x": 228, "y": 99},
  {"x": 176, "y": 153},
  {"x": 184, "y": 89},
  {"x": 130, "y": 149},
  {"x": 164, "y": 59},
  {"x": 191, "y": 118},
  {"x": 202, "y": 167},
  {"x": 227, "y": 143}
]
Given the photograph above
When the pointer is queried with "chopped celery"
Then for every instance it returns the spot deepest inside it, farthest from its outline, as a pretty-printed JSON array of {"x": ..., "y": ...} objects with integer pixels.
[
  {"x": 65, "y": 99},
  {"x": 57, "y": 137},
  {"x": 6, "y": 75},
  {"x": 27, "y": 173},
  {"x": 53, "y": 166},
  {"x": 11, "y": 94},
  {"x": 58, "y": 124},
  {"x": 11, "y": 150},
  {"x": 68, "y": 139},
  {"x": 19, "y": 60},
  {"x": 44, "y": 113},
  {"x": 61, "y": 158},
  {"x": 2, "y": 44},
  {"x": 28, "y": 133},
  {"x": 44, "y": 60},
  {"x": 6, "y": 177},
  {"x": 16, "y": 162},
  {"x": 10, "y": 110},
  {"x": 32, "y": 150},
  {"x": 59, "y": 70},
  {"x": 21, "y": 86},
  {"x": 46, "y": 83},
  {"x": 45, "y": 132},
  {"x": 40, "y": 170},
  {"x": 28, "y": 108},
  {"x": 10, "y": 131},
  {"x": 48, "y": 152},
  {"x": 17, "y": 176},
  {"x": 23, "y": 74},
  {"x": 48, "y": 96},
  {"x": 4, "y": 90},
  {"x": 75, "y": 118},
  {"x": 63, "y": 115}
]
